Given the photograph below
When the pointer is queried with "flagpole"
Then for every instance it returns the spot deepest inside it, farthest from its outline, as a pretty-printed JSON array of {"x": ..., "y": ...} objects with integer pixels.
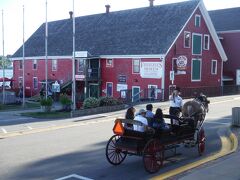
[
  {"x": 73, "y": 64},
  {"x": 46, "y": 54},
  {"x": 3, "y": 63},
  {"x": 23, "y": 81}
]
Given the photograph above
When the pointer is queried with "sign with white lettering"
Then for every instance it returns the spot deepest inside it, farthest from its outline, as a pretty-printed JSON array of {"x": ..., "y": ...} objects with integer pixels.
[
  {"x": 122, "y": 87},
  {"x": 151, "y": 70},
  {"x": 81, "y": 54}
]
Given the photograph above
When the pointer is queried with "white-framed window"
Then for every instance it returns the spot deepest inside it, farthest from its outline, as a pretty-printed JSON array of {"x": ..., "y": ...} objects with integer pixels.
[
  {"x": 109, "y": 89},
  {"x": 109, "y": 62},
  {"x": 214, "y": 67},
  {"x": 34, "y": 64},
  {"x": 196, "y": 44},
  {"x": 196, "y": 70},
  {"x": 20, "y": 64},
  {"x": 197, "y": 20},
  {"x": 206, "y": 42},
  {"x": 35, "y": 83},
  {"x": 54, "y": 65},
  {"x": 187, "y": 39},
  {"x": 136, "y": 66}
]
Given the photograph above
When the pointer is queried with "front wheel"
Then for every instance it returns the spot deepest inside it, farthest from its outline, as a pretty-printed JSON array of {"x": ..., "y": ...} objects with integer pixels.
[
  {"x": 114, "y": 154},
  {"x": 201, "y": 138},
  {"x": 153, "y": 156}
]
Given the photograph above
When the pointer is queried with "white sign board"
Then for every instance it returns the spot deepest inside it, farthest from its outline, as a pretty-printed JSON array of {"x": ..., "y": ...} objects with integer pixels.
[
  {"x": 171, "y": 75},
  {"x": 238, "y": 77},
  {"x": 79, "y": 77},
  {"x": 151, "y": 70},
  {"x": 122, "y": 87},
  {"x": 81, "y": 54},
  {"x": 56, "y": 87}
]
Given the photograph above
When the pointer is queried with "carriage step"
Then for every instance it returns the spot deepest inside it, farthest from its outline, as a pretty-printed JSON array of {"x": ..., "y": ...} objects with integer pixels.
[{"x": 172, "y": 146}]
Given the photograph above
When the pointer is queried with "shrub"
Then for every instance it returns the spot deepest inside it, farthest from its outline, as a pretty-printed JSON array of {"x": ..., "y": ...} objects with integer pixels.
[
  {"x": 91, "y": 102},
  {"x": 64, "y": 100},
  {"x": 108, "y": 101},
  {"x": 46, "y": 102}
]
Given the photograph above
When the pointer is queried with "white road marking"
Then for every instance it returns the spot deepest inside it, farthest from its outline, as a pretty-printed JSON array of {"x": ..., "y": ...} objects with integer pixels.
[
  {"x": 74, "y": 176},
  {"x": 4, "y": 131}
]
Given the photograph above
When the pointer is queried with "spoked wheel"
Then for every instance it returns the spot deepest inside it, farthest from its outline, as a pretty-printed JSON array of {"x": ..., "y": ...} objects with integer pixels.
[
  {"x": 114, "y": 155},
  {"x": 201, "y": 142},
  {"x": 153, "y": 156}
]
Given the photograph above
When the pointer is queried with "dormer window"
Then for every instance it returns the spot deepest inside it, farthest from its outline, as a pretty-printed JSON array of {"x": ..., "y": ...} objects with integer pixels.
[{"x": 197, "y": 20}]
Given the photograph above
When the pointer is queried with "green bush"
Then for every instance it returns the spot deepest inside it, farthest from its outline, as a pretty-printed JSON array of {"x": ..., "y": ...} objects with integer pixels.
[
  {"x": 64, "y": 100},
  {"x": 109, "y": 101},
  {"x": 91, "y": 102},
  {"x": 46, "y": 102}
]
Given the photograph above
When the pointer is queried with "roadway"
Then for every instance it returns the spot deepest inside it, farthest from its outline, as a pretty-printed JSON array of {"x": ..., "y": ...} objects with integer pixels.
[{"x": 52, "y": 149}]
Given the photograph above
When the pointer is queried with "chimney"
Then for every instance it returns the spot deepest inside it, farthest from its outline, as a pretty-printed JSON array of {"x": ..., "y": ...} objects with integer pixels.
[
  {"x": 71, "y": 14},
  {"x": 107, "y": 8},
  {"x": 151, "y": 3}
]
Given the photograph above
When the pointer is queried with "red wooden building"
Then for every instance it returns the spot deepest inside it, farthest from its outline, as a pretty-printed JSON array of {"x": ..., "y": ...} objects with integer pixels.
[
  {"x": 227, "y": 25},
  {"x": 130, "y": 54}
]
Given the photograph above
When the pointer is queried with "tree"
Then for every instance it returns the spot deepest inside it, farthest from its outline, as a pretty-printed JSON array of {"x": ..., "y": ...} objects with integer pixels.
[{"x": 6, "y": 61}]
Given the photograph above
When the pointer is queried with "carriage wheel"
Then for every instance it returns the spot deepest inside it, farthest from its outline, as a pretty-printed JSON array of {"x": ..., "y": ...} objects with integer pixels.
[
  {"x": 201, "y": 142},
  {"x": 114, "y": 155},
  {"x": 153, "y": 156}
]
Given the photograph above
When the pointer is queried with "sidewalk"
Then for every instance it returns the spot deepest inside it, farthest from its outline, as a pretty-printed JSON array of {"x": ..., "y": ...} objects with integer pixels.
[{"x": 225, "y": 168}]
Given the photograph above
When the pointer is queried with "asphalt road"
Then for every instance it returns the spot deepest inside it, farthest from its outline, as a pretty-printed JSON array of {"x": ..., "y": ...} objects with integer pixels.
[{"x": 77, "y": 149}]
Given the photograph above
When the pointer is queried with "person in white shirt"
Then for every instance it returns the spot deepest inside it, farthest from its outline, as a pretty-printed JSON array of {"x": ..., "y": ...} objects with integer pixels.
[
  {"x": 176, "y": 104},
  {"x": 141, "y": 117}
]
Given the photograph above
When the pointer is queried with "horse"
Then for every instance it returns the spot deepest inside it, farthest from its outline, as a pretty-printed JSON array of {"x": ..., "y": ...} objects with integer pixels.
[{"x": 196, "y": 109}]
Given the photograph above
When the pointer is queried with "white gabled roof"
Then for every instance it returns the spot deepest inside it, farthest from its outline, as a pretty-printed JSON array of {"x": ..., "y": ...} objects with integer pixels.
[{"x": 212, "y": 30}]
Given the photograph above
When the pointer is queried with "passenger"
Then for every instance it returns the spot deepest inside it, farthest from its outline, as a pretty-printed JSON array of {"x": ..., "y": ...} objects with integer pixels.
[
  {"x": 158, "y": 121},
  {"x": 149, "y": 113},
  {"x": 130, "y": 114},
  {"x": 142, "y": 118},
  {"x": 176, "y": 104}
]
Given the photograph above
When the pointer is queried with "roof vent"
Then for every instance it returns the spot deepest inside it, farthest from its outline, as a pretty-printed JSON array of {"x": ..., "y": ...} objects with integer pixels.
[
  {"x": 151, "y": 3},
  {"x": 107, "y": 8},
  {"x": 71, "y": 14}
]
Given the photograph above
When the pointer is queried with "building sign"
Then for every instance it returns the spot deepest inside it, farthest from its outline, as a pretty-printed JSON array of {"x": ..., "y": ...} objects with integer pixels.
[
  {"x": 81, "y": 54},
  {"x": 121, "y": 87},
  {"x": 151, "y": 70},
  {"x": 79, "y": 77},
  {"x": 55, "y": 87},
  {"x": 238, "y": 77},
  {"x": 181, "y": 63},
  {"x": 122, "y": 79}
]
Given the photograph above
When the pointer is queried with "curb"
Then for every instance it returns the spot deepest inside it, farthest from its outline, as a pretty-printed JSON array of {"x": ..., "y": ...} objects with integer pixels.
[{"x": 229, "y": 146}]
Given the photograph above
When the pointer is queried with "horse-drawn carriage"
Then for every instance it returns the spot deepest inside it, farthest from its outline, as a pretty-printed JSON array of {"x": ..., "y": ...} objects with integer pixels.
[{"x": 153, "y": 143}]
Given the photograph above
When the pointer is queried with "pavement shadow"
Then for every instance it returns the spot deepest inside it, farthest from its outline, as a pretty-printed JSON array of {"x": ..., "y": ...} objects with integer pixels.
[{"x": 87, "y": 163}]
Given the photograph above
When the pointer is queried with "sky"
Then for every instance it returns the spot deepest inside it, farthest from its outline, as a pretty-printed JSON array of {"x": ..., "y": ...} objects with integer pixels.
[{"x": 59, "y": 9}]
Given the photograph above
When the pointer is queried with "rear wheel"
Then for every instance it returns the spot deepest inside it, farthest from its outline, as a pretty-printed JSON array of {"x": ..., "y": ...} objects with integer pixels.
[
  {"x": 114, "y": 154},
  {"x": 153, "y": 156},
  {"x": 201, "y": 142}
]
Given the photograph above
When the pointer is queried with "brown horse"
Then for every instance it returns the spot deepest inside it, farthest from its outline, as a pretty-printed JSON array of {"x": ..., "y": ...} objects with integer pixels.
[{"x": 196, "y": 109}]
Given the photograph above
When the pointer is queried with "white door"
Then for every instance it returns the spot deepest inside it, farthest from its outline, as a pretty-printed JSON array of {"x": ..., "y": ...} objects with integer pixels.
[{"x": 135, "y": 93}]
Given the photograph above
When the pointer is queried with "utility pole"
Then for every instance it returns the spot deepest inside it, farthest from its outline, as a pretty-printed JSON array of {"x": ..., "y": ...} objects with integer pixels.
[
  {"x": 73, "y": 64},
  {"x": 46, "y": 55},
  {"x": 3, "y": 62},
  {"x": 23, "y": 62}
]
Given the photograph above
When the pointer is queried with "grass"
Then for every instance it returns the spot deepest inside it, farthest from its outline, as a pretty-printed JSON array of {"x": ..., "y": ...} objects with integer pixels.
[{"x": 47, "y": 115}]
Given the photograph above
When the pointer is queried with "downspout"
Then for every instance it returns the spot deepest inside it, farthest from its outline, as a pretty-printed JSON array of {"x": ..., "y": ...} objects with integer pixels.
[{"x": 163, "y": 78}]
